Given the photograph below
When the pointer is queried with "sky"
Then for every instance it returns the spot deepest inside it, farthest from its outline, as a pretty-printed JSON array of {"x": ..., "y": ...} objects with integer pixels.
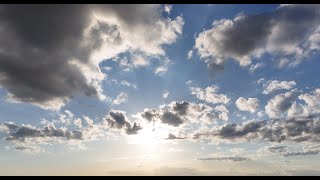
[{"x": 159, "y": 89}]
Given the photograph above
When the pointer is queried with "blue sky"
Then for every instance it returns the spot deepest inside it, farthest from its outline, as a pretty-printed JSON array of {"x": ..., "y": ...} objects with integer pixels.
[{"x": 160, "y": 89}]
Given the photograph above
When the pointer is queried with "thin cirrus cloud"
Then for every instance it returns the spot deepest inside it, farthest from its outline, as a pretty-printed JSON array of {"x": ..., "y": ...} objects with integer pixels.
[
  {"x": 287, "y": 33},
  {"x": 57, "y": 57}
]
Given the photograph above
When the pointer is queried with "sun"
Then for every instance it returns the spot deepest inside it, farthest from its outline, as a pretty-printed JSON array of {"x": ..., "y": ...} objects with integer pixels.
[{"x": 149, "y": 137}]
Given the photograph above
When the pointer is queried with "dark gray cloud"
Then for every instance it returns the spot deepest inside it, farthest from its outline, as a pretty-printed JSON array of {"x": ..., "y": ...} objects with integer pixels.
[
  {"x": 134, "y": 129},
  {"x": 117, "y": 119},
  {"x": 36, "y": 48},
  {"x": 171, "y": 119},
  {"x": 50, "y": 53},
  {"x": 232, "y": 158},
  {"x": 181, "y": 107},
  {"x": 23, "y": 133},
  {"x": 277, "y": 149},
  {"x": 303, "y": 153},
  {"x": 173, "y": 137},
  {"x": 150, "y": 114},
  {"x": 283, "y": 32},
  {"x": 294, "y": 129}
]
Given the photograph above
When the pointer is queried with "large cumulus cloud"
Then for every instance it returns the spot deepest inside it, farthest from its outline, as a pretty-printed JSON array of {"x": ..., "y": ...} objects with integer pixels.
[
  {"x": 49, "y": 53},
  {"x": 290, "y": 33}
]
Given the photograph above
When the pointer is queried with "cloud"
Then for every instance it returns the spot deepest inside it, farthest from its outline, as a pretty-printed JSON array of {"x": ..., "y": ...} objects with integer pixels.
[
  {"x": 233, "y": 158},
  {"x": 303, "y": 153},
  {"x": 165, "y": 94},
  {"x": 57, "y": 57},
  {"x": 121, "y": 98},
  {"x": 28, "y": 132},
  {"x": 28, "y": 149},
  {"x": 288, "y": 32},
  {"x": 161, "y": 70},
  {"x": 277, "y": 149},
  {"x": 174, "y": 137},
  {"x": 272, "y": 86},
  {"x": 167, "y": 8},
  {"x": 312, "y": 100},
  {"x": 181, "y": 113},
  {"x": 78, "y": 123},
  {"x": 280, "y": 104},
  {"x": 250, "y": 104},
  {"x": 189, "y": 55},
  {"x": 117, "y": 119},
  {"x": 300, "y": 129},
  {"x": 253, "y": 68},
  {"x": 139, "y": 61},
  {"x": 171, "y": 119},
  {"x": 210, "y": 94}
]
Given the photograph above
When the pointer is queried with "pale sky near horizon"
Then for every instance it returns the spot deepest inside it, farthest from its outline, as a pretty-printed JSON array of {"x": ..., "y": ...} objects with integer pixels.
[{"x": 159, "y": 89}]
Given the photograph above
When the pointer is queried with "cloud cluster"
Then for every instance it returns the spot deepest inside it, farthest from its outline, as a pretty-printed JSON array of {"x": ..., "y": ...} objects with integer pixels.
[
  {"x": 231, "y": 158},
  {"x": 179, "y": 113},
  {"x": 30, "y": 134},
  {"x": 210, "y": 94},
  {"x": 289, "y": 32},
  {"x": 287, "y": 104},
  {"x": 47, "y": 59},
  {"x": 117, "y": 119},
  {"x": 272, "y": 86},
  {"x": 303, "y": 129},
  {"x": 250, "y": 104}
]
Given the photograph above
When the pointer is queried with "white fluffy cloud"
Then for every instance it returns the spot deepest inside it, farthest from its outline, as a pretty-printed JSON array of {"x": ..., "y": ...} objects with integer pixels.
[
  {"x": 272, "y": 86},
  {"x": 289, "y": 32},
  {"x": 250, "y": 104},
  {"x": 121, "y": 98},
  {"x": 312, "y": 101},
  {"x": 210, "y": 94},
  {"x": 280, "y": 104}
]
